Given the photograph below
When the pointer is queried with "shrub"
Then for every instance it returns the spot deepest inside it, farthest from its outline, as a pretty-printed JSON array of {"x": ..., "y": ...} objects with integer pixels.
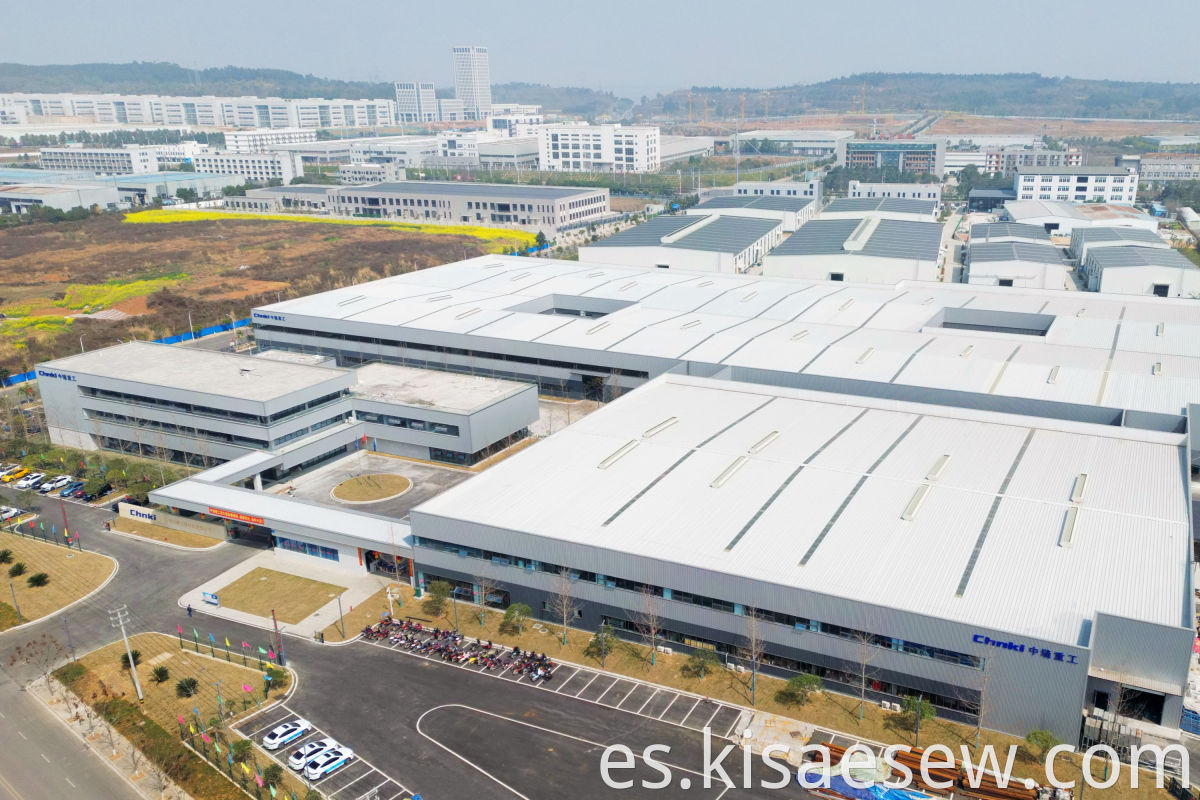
[
  {"x": 186, "y": 687},
  {"x": 514, "y": 618},
  {"x": 16, "y": 569},
  {"x": 38, "y": 579},
  {"x": 797, "y": 689},
  {"x": 137, "y": 658},
  {"x": 278, "y": 677},
  {"x": 161, "y": 674},
  {"x": 6, "y": 556},
  {"x": 701, "y": 662},
  {"x": 272, "y": 775},
  {"x": 241, "y": 750},
  {"x": 436, "y": 595}
]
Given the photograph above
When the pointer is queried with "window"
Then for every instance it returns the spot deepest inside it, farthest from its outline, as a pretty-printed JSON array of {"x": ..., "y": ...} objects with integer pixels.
[
  {"x": 307, "y": 548},
  {"x": 1006, "y": 282},
  {"x": 837, "y": 276}
]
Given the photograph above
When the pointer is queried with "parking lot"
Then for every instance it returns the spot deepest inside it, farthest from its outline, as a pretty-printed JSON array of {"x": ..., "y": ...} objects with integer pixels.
[{"x": 358, "y": 779}]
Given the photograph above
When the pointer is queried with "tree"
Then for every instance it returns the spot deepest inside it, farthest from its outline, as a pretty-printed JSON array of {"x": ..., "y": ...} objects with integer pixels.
[
  {"x": 488, "y": 587},
  {"x": 242, "y": 749},
  {"x": 797, "y": 689},
  {"x": 436, "y": 595},
  {"x": 540, "y": 239},
  {"x": 16, "y": 570},
  {"x": 648, "y": 620},
  {"x": 1042, "y": 741},
  {"x": 187, "y": 687},
  {"x": 42, "y": 654},
  {"x": 272, "y": 775},
  {"x": 135, "y": 760},
  {"x": 701, "y": 662},
  {"x": 562, "y": 604},
  {"x": 38, "y": 579},
  {"x": 187, "y": 195},
  {"x": 6, "y": 556},
  {"x": 137, "y": 658},
  {"x": 514, "y": 618},
  {"x": 864, "y": 651},
  {"x": 917, "y": 709},
  {"x": 161, "y": 674},
  {"x": 601, "y": 643},
  {"x": 753, "y": 648}
]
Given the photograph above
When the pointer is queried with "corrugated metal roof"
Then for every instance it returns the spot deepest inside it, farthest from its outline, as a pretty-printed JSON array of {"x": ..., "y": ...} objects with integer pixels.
[
  {"x": 882, "y": 204},
  {"x": 724, "y": 233},
  {"x": 1084, "y": 236},
  {"x": 651, "y": 232},
  {"x": 817, "y": 237},
  {"x": 831, "y": 486},
  {"x": 995, "y": 231},
  {"x": 1110, "y": 257},
  {"x": 1016, "y": 251},
  {"x": 767, "y": 202}
]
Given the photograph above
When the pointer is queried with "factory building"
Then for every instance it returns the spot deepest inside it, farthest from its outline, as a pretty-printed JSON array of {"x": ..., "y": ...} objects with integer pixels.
[
  {"x": 721, "y": 243},
  {"x": 866, "y": 249}
]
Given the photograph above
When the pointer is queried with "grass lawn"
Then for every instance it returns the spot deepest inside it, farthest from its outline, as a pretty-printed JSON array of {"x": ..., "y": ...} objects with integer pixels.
[
  {"x": 368, "y": 612},
  {"x": 292, "y": 597},
  {"x": 826, "y": 709},
  {"x": 376, "y": 486},
  {"x": 160, "y": 533},
  {"x": 72, "y": 575}
]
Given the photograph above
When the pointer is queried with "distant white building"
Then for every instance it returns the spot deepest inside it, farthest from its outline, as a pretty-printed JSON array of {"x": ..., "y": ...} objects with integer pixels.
[
  {"x": 578, "y": 147},
  {"x": 681, "y": 148},
  {"x": 801, "y": 142},
  {"x": 178, "y": 152},
  {"x": 404, "y": 151},
  {"x": 451, "y": 109},
  {"x": 1154, "y": 271},
  {"x": 472, "y": 80},
  {"x": 256, "y": 167},
  {"x": 519, "y": 109},
  {"x": 19, "y": 198},
  {"x": 811, "y": 189},
  {"x": 264, "y": 140},
  {"x": 416, "y": 101},
  {"x": 1018, "y": 264},
  {"x": 128, "y": 160},
  {"x": 516, "y": 124},
  {"x": 461, "y": 148},
  {"x": 903, "y": 191},
  {"x": 1114, "y": 185},
  {"x": 1060, "y": 217},
  {"x": 360, "y": 173}
]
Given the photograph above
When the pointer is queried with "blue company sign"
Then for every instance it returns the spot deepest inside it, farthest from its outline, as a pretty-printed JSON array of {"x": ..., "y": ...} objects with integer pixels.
[
  {"x": 1019, "y": 647},
  {"x": 272, "y": 317},
  {"x": 147, "y": 515},
  {"x": 45, "y": 373}
]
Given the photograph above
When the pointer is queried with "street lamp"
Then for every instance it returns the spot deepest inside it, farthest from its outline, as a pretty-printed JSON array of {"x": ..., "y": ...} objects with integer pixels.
[{"x": 81, "y": 338}]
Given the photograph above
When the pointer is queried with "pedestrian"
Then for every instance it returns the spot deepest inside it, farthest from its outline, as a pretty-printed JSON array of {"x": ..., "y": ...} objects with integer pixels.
[{"x": 189, "y": 609}]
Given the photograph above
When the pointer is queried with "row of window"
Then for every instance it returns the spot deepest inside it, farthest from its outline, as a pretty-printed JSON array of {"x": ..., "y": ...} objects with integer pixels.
[
  {"x": 170, "y": 427},
  {"x": 411, "y": 424},
  {"x": 778, "y": 617},
  {"x": 208, "y": 411},
  {"x": 307, "y": 548}
]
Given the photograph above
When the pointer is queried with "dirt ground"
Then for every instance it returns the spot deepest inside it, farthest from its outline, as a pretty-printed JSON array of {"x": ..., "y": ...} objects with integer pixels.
[{"x": 1059, "y": 128}]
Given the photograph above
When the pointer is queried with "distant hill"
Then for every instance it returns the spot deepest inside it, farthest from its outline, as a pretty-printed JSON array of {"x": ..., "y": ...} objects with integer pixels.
[
  {"x": 145, "y": 77},
  {"x": 1011, "y": 94}
]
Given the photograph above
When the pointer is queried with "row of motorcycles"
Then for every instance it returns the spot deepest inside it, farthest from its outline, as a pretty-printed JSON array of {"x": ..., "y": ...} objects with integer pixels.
[{"x": 449, "y": 646}]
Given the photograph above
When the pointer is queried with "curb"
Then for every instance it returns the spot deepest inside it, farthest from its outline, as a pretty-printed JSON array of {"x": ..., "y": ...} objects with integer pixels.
[
  {"x": 69, "y": 606},
  {"x": 136, "y": 537}
]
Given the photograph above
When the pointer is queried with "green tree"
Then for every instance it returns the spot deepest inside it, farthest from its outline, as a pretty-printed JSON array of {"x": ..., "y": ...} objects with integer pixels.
[
  {"x": 701, "y": 662},
  {"x": 436, "y": 595},
  {"x": 272, "y": 775},
  {"x": 187, "y": 687},
  {"x": 1042, "y": 741},
  {"x": 797, "y": 690},
  {"x": 540, "y": 239},
  {"x": 16, "y": 569},
  {"x": 6, "y": 556},
  {"x": 514, "y": 618},
  {"x": 161, "y": 674},
  {"x": 601, "y": 644},
  {"x": 242, "y": 749},
  {"x": 917, "y": 709},
  {"x": 187, "y": 195},
  {"x": 137, "y": 658},
  {"x": 38, "y": 579}
]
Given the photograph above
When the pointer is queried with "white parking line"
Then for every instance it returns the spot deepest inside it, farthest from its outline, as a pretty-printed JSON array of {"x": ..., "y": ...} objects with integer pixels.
[
  {"x": 665, "y": 710},
  {"x": 689, "y": 711},
  {"x": 710, "y": 719},
  {"x": 653, "y": 695},
  {"x": 589, "y": 683},
  {"x": 600, "y": 699},
  {"x": 366, "y": 774},
  {"x": 278, "y": 721},
  {"x": 400, "y": 793}
]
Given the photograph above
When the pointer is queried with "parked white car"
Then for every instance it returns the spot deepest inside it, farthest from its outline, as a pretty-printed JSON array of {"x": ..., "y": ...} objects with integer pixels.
[
  {"x": 299, "y": 759},
  {"x": 287, "y": 732},
  {"x": 31, "y": 480},
  {"x": 7, "y": 513},
  {"x": 57, "y": 483},
  {"x": 328, "y": 762}
]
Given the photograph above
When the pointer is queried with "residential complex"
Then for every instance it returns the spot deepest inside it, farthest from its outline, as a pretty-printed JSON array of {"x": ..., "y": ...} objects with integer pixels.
[
  {"x": 1117, "y": 185},
  {"x": 128, "y": 160},
  {"x": 257, "y": 167},
  {"x": 577, "y": 147},
  {"x": 922, "y": 156},
  {"x": 472, "y": 80}
]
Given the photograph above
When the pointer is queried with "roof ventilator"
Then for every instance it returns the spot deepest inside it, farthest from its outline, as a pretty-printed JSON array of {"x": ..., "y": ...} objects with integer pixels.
[
  {"x": 354, "y": 299},
  {"x": 1078, "y": 489},
  {"x": 629, "y": 285},
  {"x": 1156, "y": 370},
  {"x": 1053, "y": 376},
  {"x": 749, "y": 296},
  {"x": 597, "y": 328},
  {"x": 468, "y": 313},
  {"x": 939, "y": 466},
  {"x": 762, "y": 443},
  {"x": 660, "y": 427},
  {"x": 702, "y": 284},
  {"x": 870, "y": 351},
  {"x": 618, "y": 454},
  {"x": 728, "y": 472},
  {"x": 1158, "y": 330},
  {"x": 966, "y": 351},
  {"x": 914, "y": 505},
  {"x": 1068, "y": 530},
  {"x": 799, "y": 334},
  {"x": 436, "y": 298},
  {"x": 687, "y": 325},
  {"x": 520, "y": 275},
  {"x": 846, "y": 304}
]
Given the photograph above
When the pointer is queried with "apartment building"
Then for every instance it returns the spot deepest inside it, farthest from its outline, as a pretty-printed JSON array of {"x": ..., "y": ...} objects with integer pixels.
[
  {"x": 1163, "y": 167},
  {"x": 416, "y": 101},
  {"x": 472, "y": 80},
  {"x": 265, "y": 140},
  {"x": 1112, "y": 185},
  {"x": 256, "y": 167},
  {"x": 907, "y": 155},
  {"x": 599, "y": 148},
  {"x": 1007, "y": 159},
  {"x": 129, "y": 160}
]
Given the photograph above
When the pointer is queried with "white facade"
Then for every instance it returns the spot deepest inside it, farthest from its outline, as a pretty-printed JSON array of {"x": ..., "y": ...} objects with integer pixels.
[
  {"x": 416, "y": 101},
  {"x": 1164, "y": 167},
  {"x": 1017, "y": 264},
  {"x": 451, "y": 109},
  {"x": 461, "y": 148},
  {"x": 1007, "y": 159},
  {"x": 908, "y": 191},
  {"x": 256, "y": 167},
  {"x": 405, "y": 151},
  {"x": 516, "y": 124},
  {"x": 1060, "y": 217},
  {"x": 864, "y": 250},
  {"x": 128, "y": 160},
  {"x": 472, "y": 80},
  {"x": 1149, "y": 271},
  {"x": 359, "y": 173},
  {"x": 681, "y": 148},
  {"x": 1115, "y": 185},
  {"x": 264, "y": 140},
  {"x": 178, "y": 152},
  {"x": 599, "y": 148},
  {"x": 810, "y": 189},
  {"x": 21, "y": 197}
]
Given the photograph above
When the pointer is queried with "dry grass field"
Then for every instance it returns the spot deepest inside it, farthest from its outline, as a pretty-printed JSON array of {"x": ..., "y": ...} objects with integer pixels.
[
  {"x": 365, "y": 488},
  {"x": 160, "y": 533},
  {"x": 292, "y": 597},
  {"x": 951, "y": 124},
  {"x": 72, "y": 575}
]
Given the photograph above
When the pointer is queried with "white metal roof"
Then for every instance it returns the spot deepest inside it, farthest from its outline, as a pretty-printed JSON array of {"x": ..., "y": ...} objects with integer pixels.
[
  {"x": 856, "y": 463},
  {"x": 794, "y": 320}
]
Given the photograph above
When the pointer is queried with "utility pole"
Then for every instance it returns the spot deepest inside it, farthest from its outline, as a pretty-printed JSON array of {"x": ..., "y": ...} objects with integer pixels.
[
  {"x": 342, "y": 619},
  {"x": 279, "y": 639},
  {"x": 14, "y": 595},
  {"x": 118, "y": 617}
]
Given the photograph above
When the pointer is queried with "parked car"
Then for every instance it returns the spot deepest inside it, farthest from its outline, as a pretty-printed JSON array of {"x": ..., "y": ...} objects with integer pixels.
[
  {"x": 78, "y": 493},
  {"x": 7, "y": 468},
  {"x": 299, "y": 759},
  {"x": 7, "y": 513},
  {"x": 31, "y": 481},
  {"x": 71, "y": 488},
  {"x": 287, "y": 732},
  {"x": 17, "y": 474},
  {"x": 57, "y": 483},
  {"x": 90, "y": 496},
  {"x": 328, "y": 762}
]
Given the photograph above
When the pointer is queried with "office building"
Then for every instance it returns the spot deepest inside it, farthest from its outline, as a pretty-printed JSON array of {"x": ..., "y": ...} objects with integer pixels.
[
  {"x": 1114, "y": 185},
  {"x": 516, "y": 124},
  {"x": 791, "y": 188},
  {"x": 416, "y": 101},
  {"x": 472, "y": 80},
  {"x": 359, "y": 173},
  {"x": 177, "y": 153},
  {"x": 131, "y": 159},
  {"x": 904, "y": 191},
  {"x": 1163, "y": 167},
  {"x": 451, "y": 109},
  {"x": 920, "y": 156},
  {"x": 548, "y": 209},
  {"x": 461, "y": 148},
  {"x": 719, "y": 243},
  {"x": 404, "y": 151},
  {"x": 578, "y": 147},
  {"x": 867, "y": 249},
  {"x": 255, "y": 167},
  {"x": 266, "y": 140},
  {"x": 1007, "y": 159}
]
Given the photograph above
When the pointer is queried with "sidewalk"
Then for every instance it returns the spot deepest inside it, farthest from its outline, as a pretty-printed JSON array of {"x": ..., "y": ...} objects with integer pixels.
[
  {"x": 360, "y": 586},
  {"x": 110, "y": 746}
]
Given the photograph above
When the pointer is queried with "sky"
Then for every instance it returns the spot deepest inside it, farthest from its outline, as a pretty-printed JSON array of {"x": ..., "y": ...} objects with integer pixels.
[{"x": 629, "y": 48}]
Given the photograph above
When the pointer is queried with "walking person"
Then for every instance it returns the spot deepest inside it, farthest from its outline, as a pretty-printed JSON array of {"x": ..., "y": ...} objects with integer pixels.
[{"x": 189, "y": 609}]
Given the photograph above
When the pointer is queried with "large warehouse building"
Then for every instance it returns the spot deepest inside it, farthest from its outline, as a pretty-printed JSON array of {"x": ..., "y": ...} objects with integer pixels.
[
  {"x": 716, "y": 242},
  {"x": 864, "y": 249}
]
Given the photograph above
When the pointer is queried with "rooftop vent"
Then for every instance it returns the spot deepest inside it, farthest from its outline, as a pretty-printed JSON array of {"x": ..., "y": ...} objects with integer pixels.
[
  {"x": 1078, "y": 489},
  {"x": 629, "y": 285},
  {"x": 1068, "y": 530},
  {"x": 597, "y": 328},
  {"x": 468, "y": 313},
  {"x": 799, "y": 334},
  {"x": 866, "y": 354},
  {"x": 749, "y": 296},
  {"x": 728, "y": 472},
  {"x": 352, "y": 300},
  {"x": 702, "y": 284},
  {"x": 966, "y": 351},
  {"x": 618, "y": 454},
  {"x": 1053, "y": 376},
  {"x": 846, "y": 304},
  {"x": 1156, "y": 370},
  {"x": 595, "y": 274},
  {"x": 914, "y": 505},
  {"x": 438, "y": 297},
  {"x": 520, "y": 275},
  {"x": 687, "y": 325},
  {"x": 1158, "y": 330},
  {"x": 857, "y": 240},
  {"x": 939, "y": 466},
  {"x": 762, "y": 443},
  {"x": 660, "y": 427}
]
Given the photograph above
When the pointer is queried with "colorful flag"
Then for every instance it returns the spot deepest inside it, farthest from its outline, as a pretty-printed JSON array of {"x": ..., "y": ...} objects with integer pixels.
[
  {"x": 192, "y": 728},
  {"x": 204, "y": 736},
  {"x": 258, "y": 780},
  {"x": 245, "y": 644},
  {"x": 271, "y": 654},
  {"x": 195, "y": 711},
  {"x": 247, "y": 688},
  {"x": 217, "y": 746},
  {"x": 180, "y": 627},
  {"x": 195, "y": 633},
  {"x": 245, "y": 769},
  {"x": 211, "y": 639},
  {"x": 264, "y": 652},
  {"x": 181, "y": 720},
  {"x": 272, "y": 788},
  {"x": 227, "y": 641}
]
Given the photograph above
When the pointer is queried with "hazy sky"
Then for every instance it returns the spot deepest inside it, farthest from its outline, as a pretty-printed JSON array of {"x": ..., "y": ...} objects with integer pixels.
[{"x": 631, "y": 48}]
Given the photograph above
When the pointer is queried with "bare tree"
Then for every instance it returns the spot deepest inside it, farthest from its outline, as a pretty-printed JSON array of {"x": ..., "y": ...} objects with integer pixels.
[
  {"x": 752, "y": 647},
  {"x": 864, "y": 651},
  {"x": 42, "y": 654},
  {"x": 562, "y": 604},
  {"x": 487, "y": 588},
  {"x": 648, "y": 620},
  {"x": 977, "y": 703},
  {"x": 135, "y": 760},
  {"x": 110, "y": 737}
]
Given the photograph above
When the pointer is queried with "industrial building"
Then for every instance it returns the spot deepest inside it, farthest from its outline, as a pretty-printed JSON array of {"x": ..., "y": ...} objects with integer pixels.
[
  {"x": 1018, "y": 264},
  {"x": 866, "y": 249},
  {"x": 682, "y": 148},
  {"x": 535, "y": 208},
  {"x": 720, "y": 243},
  {"x": 19, "y": 198},
  {"x": 1060, "y": 217},
  {"x": 921, "y": 156},
  {"x": 298, "y": 198},
  {"x": 131, "y": 159},
  {"x": 903, "y": 191},
  {"x": 882, "y": 207},
  {"x": 1083, "y": 240},
  {"x": 514, "y": 153},
  {"x": 791, "y": 212},
  {"x": 265, "y": 140},
  {"x": 1162, "y": 167},
  {"x": 359, "y": 174},
  {"x": 793, "y": 188},
  {"x": 1154, "y": 271},
  {"x": 1077, "y": 184},
  {"x": 802, "y": 142},
  {"x": 992, "y": 232},
  {"x": 579, "y": 147},
  {"x": 279, "y": 166},
  {"x": 136, "y": 190}
]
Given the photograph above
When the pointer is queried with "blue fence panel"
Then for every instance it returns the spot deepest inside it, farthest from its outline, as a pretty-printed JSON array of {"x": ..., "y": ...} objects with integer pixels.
[{"x": 1190, "y": 722}]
